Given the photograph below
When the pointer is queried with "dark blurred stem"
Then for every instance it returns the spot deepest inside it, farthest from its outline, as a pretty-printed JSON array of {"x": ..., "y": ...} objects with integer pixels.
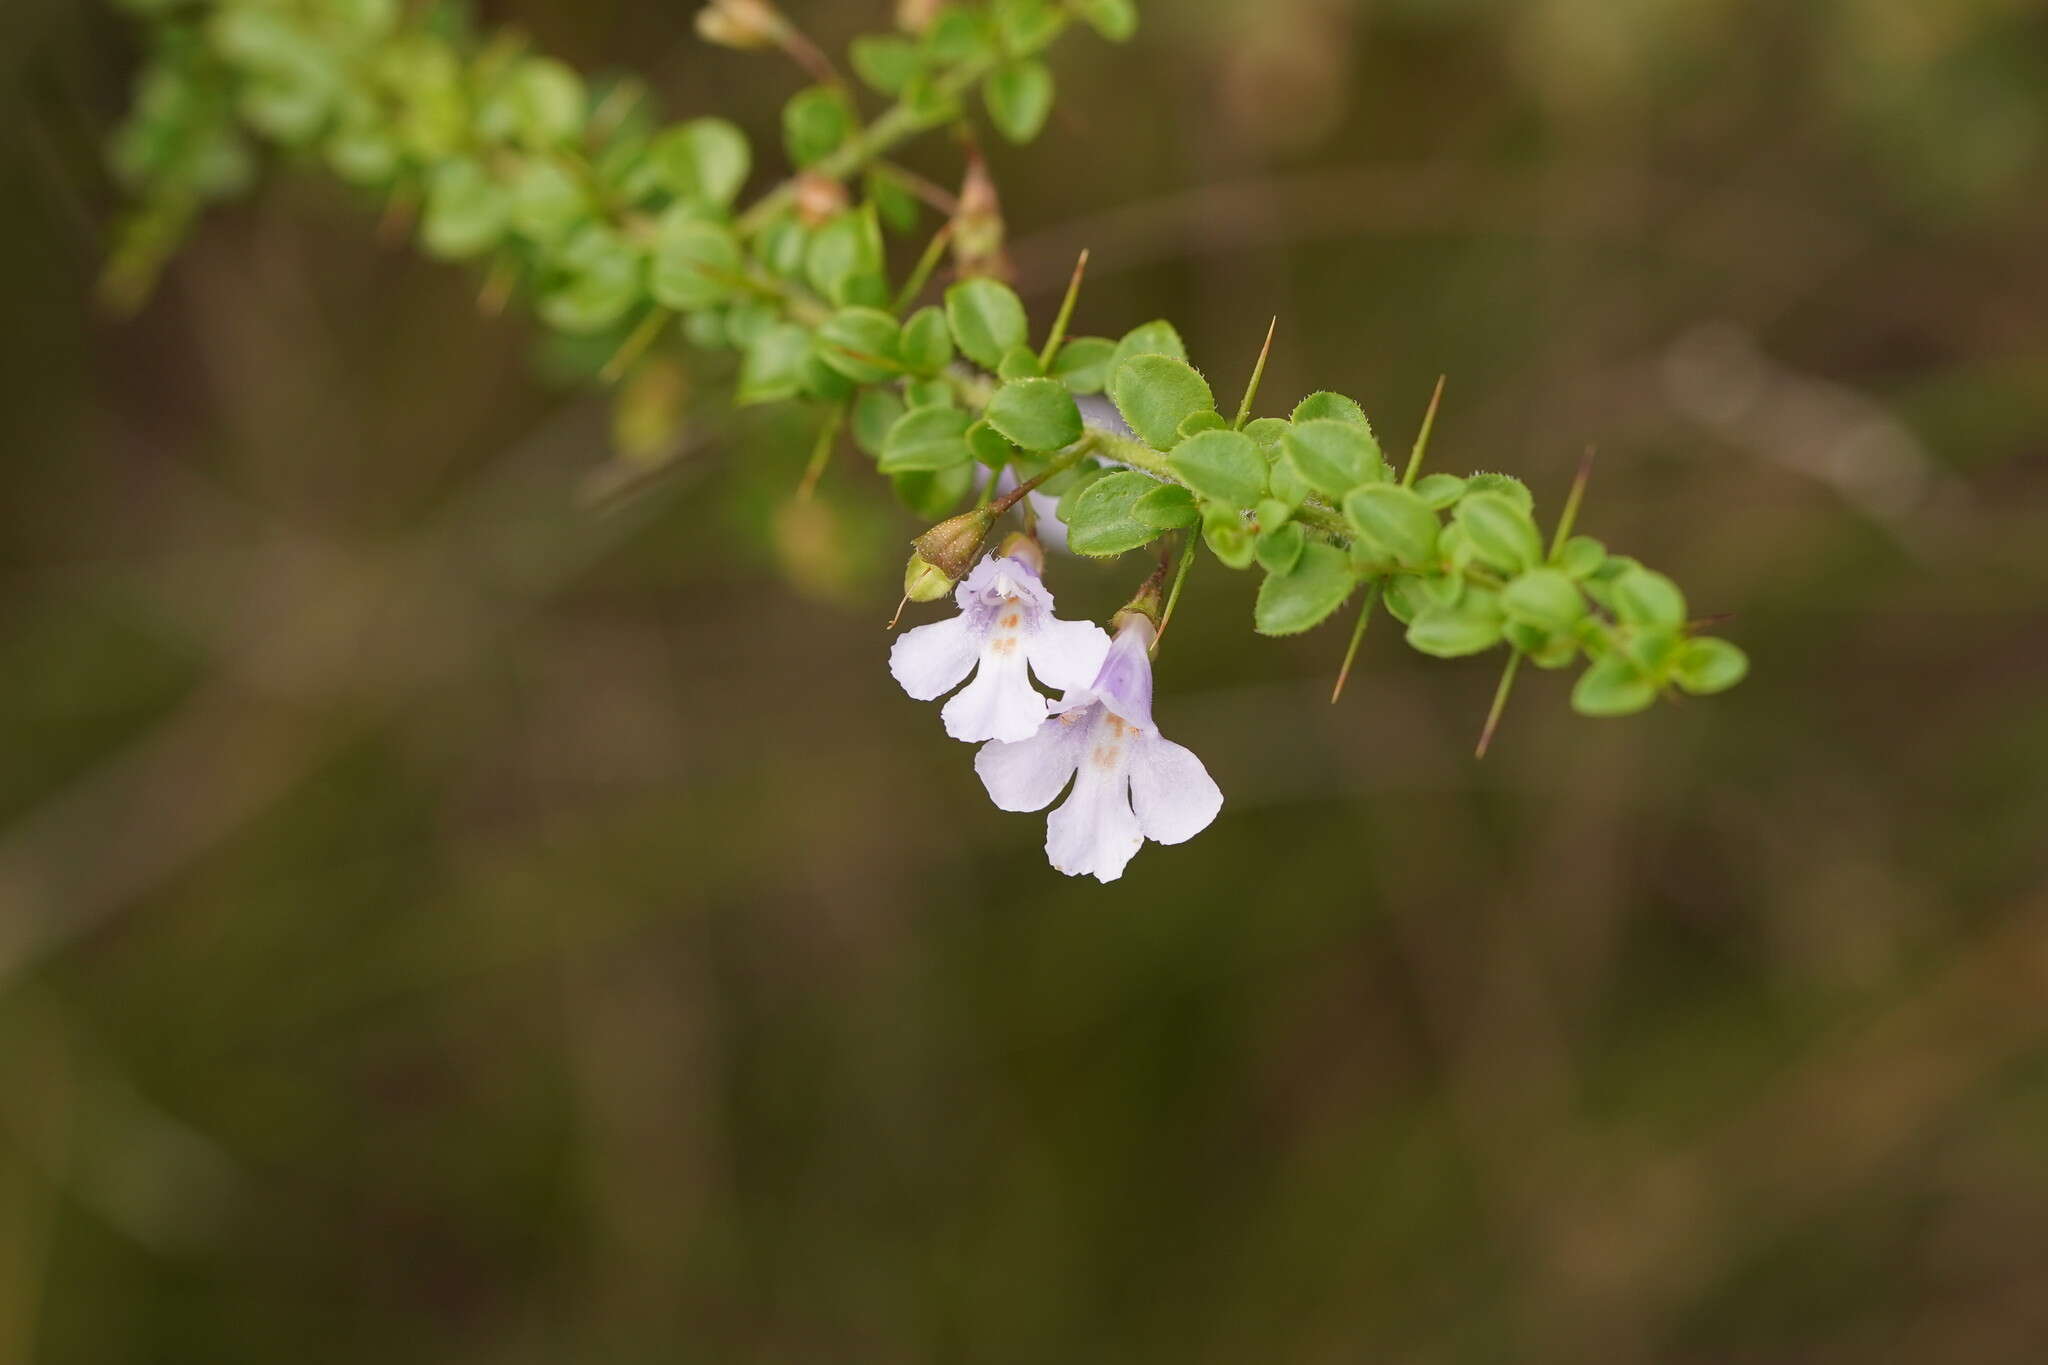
[
  {"x": 1422, "y": 437},
  {"x": 797, "y": 45},
  {"x": 1191, "y": 544},
  {"x": 921, "y": 274},
  {"x": 1372, "y": 600},
  {"x": 935, "y": 196},
  {"x": 821, "y": 453},
  {"x": 1251, "y": 389},
  {"x": 1065, "y": 315},
  {"x": 1500, "y": 703},
  {"x": 1065, "y": 460},
  {"x": 1569, "y": 518},
  {"x": 635, "y": 345}
]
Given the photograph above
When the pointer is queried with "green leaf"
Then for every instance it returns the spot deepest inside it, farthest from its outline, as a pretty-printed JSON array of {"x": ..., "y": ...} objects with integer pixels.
[
  {"x": 1330, "y": 407},
  {"x": 603, "y": 281},
  {"x": 1706, "y": 666},
  {"x": 1499, "y": 532},
  {"x": 1019, "y": 97},
  {"x": 1404, "y": 598},
  {"x": 1643, "y": 597},
  {"x": 705, "y": 161},
  {"x": 1305, "y": 596},
  {"x": 1104, "y": 520},
  {"x": 1334, "y": 456},
  {"x": 843, "y": 258},
  {"x": 823, "y": 382},
  {"x": 1083, "y": 364},
  {"x": 696, "y": 263},
  {"x": 1152, "y": 338},
  {"x": 1453, "y": 630},
  {"x": 538, "y": 104},
  {"x": 987, "y": 319},
  {"x": 1195, "y": 423},
  {"x": 1268, "y": 432},
  {"x": 926, "y": 439},
  {"x": 1156, "y": 393},
  {"x": 1027, "y": 26},
  {"x": 547, "y": 202},
  {"x": 467, "y": 212},
  {"x": 1285, "y": 480},
  {"x": 816, "y": 123},
  {"x": 931, "y": 494},
  {"x": 772, "y": 368},
  {"x": 989, "y": 446},
  {"x": 957, "y": 35},
  {"x": 1506, "y": 485},
  {"x": 1580, "y": 557},
  {"x": 860, "y": 343},
  {"x": 1223, "y": 466},
  {"x": 1115, "y": 20},
  {"x": 929, "y": 393},
  {"x": 929, "y": 102},
  {"x": 1280, "y": 547},
  {"x": 1077, "y": 480},
  {"x": 1652, "y": 649},
  {"x": 1019, "y": 362},
  {"x": 782, "y": 245},
  {"x": 887, "y": 62},
  {"x": 927, "y": 344},
  {"x": 1440, "y": 490},
  {"x": 1393, "y": 523},
  {"x": 1544, "y": 598},
  {"x": 1228, "y": 538},
  {"x": 874, "y": 413},
  {"x": 1612, "y": 687},
  {"x": 894, "y": 204},
  {"x": 1168, "y": 507},
  {"x": 1038, "y": 414}
]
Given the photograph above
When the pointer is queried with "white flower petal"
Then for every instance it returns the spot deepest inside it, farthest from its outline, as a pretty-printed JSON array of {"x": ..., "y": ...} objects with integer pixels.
[
  {"x": 1027, "y": 775},
  {"x": 1067, "y": 654},
  {"x": 1174, "y": 794},
  {"x": 1094, "y": 833},
  {"x": 931, "y": 660},
  {"x": 999, "y": 703}
]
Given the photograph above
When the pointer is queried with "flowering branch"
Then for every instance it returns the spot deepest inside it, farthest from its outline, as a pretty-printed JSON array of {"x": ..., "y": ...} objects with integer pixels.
[{"x": 635, "y": 235}]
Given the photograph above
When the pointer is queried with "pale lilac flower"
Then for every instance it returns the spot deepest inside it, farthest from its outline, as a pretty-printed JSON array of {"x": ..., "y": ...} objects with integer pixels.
[
  {"x": 1005, "y": 626},
  {"x": 1130, "y": 782}
]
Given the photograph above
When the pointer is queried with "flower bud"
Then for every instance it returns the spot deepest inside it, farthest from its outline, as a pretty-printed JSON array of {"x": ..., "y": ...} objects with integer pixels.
[
  {"x": 915, "y": 16},
  {"x": 819, "y": 198},
  {"x": 743, "y": 24},
  {"x": 1146, "y": 606},
  {"x": 945, "y": 554},
  {"x": 1025, "y": 548},
  {"x": 978, "y": 228}
]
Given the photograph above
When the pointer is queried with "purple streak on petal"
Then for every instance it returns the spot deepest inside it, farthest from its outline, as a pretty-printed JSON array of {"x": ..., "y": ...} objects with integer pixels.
[{"x": 1125, "y": 682}]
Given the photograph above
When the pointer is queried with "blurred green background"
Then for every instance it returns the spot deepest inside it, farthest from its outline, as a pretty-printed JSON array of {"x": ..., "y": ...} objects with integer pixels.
[{"x": 447, "y": 915}]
